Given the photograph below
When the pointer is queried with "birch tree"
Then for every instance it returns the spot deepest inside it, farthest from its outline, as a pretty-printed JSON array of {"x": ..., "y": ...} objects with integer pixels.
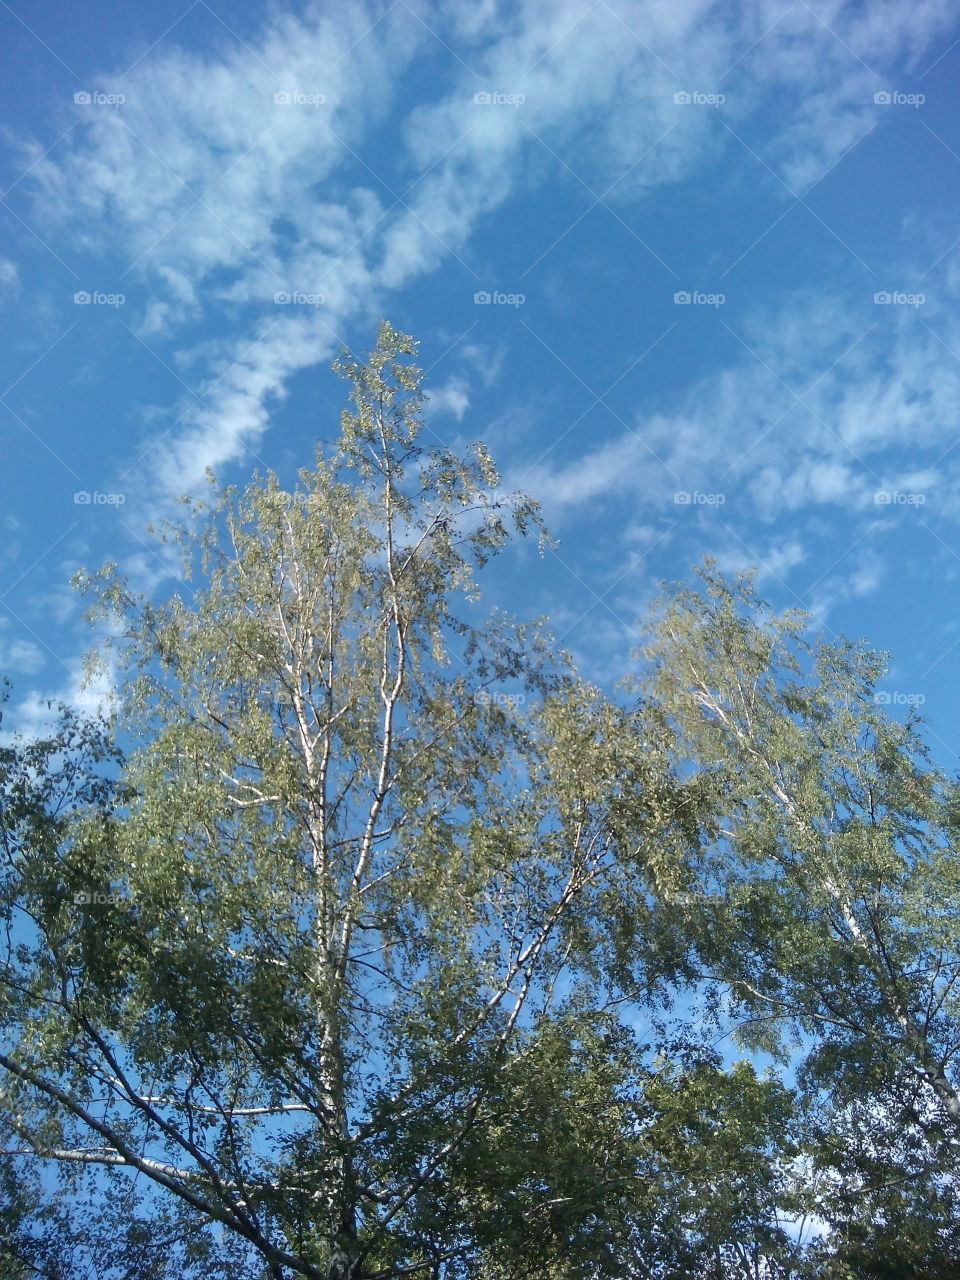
[
  {"x": 823, "y": 894},
  {"x": 327, "y": 979}
]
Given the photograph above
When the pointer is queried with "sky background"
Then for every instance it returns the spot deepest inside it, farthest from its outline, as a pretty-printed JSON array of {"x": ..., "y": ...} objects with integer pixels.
[{"x": 690, "y": 270}]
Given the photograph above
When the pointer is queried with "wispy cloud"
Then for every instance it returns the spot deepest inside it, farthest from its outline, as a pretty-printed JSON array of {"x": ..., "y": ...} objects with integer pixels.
[
  {"x": 229, "y": 177},
  {"x": 261, "y": 201}
]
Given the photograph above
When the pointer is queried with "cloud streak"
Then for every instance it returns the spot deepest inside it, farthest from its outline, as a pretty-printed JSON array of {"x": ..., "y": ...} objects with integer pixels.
[{"x": 214, "y": 197}]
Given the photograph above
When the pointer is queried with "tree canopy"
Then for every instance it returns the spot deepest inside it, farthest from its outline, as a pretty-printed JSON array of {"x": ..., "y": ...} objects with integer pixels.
[{"x": 365, "y": 939}]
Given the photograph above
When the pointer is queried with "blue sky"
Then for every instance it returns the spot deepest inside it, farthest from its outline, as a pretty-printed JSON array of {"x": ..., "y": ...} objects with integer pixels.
[{"x": 785, "y": 167}]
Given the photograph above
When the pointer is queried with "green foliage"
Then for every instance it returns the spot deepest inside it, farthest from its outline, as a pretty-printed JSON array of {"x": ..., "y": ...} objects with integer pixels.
[
  {"x": 339, "y": 971},
  {"x": 825, "y": 896},
  {"x": 343, "y": 992}
]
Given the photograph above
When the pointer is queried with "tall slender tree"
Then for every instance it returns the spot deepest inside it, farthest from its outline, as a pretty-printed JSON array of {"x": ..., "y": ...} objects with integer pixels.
[{"x": 332, "y": 981}]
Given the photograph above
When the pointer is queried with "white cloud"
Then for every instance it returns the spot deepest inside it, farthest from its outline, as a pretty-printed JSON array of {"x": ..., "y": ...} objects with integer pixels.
[
  {"x": 9, "y": 277},
  {"x": 860, "y": 574},
  {"x": 213, "y": 198},
  {"x": 18, "y": 657},
  {"x": 613, "y": 469},
  {"x": 216, "y": 197},
  {"x": 235, "y": 415},
  {"x": 782, "y": 555},
  {"x": 36, "y": 713},
  {"x": 450, "y": 397},
  {"x": 485, "y": 361},
  {"x": 804, "y": 484}
]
